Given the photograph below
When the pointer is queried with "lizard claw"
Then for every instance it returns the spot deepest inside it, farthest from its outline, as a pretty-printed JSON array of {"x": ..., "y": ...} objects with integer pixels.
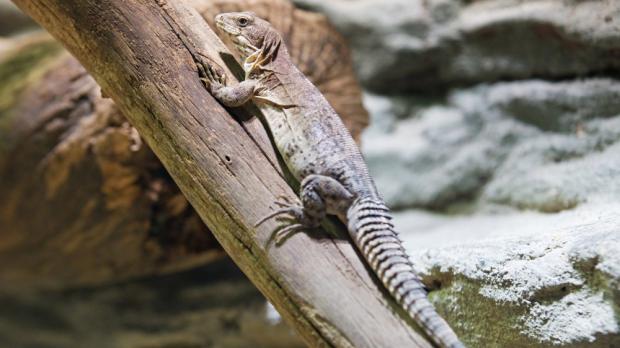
[
  {"x": 282, "y": 235},
  {"x": 215, "y": 75},
  {"x": 284, "y": 198},
  {"x": 211, "y": 76},
  {"x": 286, "y": 208},
  {"x": 290, "y": 215},
  {"x": 285, "y": 204},
  {"x": 269, "y": 216}
]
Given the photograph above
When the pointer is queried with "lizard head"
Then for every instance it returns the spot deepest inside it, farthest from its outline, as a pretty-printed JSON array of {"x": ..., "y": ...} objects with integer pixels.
[{"x": 254, "y": 39}]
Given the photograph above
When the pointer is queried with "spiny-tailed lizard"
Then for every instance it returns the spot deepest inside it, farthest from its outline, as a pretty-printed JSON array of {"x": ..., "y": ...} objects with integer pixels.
[{"x": 322, "y": 155}]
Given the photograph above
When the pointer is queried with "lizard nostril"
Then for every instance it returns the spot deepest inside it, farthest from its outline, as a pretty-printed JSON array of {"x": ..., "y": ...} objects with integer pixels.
[{"x": 219, "y": 20}]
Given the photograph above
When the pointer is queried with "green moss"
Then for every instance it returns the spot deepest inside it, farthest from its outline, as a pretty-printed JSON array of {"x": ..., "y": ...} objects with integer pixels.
[
  {"x": 20, "y": 68},
  {"x": 485, "y": 323},
  {"x": 610, "y": 288},
  {"x": 602, "y": 281}
]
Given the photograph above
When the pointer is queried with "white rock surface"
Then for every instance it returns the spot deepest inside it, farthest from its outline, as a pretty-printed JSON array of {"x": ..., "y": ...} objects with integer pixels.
[
  {"x": 529, "y": 174},
  {"x": 496, "y": 133},
  {"x": 553, "y": 277},
  {"x": 507, "y": 187},
  {"x": 531, "y": 144},
  {"x": 417, "y": 45}
]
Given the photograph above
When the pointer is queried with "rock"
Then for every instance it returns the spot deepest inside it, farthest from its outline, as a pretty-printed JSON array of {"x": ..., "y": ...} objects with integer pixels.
[
  {"x": 418, "y": 45},
  {"x": 530, "y": 144},
  {"x": 506, "y": 177},
  {"x": 534, "y": 280},
  {"x": 531, "y": 168}
]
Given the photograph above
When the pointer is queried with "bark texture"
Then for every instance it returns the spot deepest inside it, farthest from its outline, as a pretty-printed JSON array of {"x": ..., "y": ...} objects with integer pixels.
[
  {"x": 74, "y": 171},
  {"x": 144, "y": 56}
]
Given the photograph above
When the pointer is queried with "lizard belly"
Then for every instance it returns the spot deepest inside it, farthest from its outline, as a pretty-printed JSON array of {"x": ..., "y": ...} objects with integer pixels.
[{"x": 292, "y": 146}]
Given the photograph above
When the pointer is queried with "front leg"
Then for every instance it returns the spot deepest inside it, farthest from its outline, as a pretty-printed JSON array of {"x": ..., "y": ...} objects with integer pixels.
[
  {"x": 231, "y": 96},
  {"x": 234, "y": 96}
]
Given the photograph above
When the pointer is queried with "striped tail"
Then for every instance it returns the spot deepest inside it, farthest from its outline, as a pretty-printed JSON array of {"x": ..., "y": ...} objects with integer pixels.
[{"x": 371, "y": 228}]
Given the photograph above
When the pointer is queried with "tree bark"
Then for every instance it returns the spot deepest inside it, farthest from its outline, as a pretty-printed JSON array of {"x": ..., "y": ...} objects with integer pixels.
[
  {"x": 144, "y": 55},
  {"x": 85, "y": 201}
]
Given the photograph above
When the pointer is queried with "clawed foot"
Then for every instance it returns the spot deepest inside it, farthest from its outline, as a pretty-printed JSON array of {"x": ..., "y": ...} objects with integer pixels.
[
  {"x": 280, "y": 236},
  {"x": 286, "y": 208},
  {"x": 213, "y": 77},
  {"x": 289, "y": 215}
]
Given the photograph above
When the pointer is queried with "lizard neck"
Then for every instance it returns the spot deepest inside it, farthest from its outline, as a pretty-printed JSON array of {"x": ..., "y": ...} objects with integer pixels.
[
  {"x": 278, "y": 62},
  {"x": 281, "y": 57}
]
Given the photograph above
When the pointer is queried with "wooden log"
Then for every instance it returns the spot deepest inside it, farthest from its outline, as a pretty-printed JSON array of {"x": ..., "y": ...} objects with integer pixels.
[
  {"x": 105, "y": 208},
  {"x": 144, "y": 55}
]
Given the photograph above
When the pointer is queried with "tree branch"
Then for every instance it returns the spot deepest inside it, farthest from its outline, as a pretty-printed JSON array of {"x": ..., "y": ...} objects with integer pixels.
[{"x": 145, "y": 55}]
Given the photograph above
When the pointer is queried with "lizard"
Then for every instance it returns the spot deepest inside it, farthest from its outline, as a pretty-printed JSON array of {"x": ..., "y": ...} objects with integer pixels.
[{"x": 320, "y": 153}]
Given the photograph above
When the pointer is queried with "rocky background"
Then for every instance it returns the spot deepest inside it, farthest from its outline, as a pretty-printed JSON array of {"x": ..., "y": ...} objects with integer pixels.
[{"x": 495, "y": 135}]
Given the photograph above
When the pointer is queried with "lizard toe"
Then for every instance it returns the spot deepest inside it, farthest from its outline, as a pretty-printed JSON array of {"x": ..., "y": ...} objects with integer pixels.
[{"x": 283, "y": 234}]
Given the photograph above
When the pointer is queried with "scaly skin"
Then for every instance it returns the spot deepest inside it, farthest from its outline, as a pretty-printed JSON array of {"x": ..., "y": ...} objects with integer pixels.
[{"x": 321, "y": 154}]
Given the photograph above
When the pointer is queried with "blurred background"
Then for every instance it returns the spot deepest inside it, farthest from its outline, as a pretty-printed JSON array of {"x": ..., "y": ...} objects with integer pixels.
[{"x": 492, "y": 128}]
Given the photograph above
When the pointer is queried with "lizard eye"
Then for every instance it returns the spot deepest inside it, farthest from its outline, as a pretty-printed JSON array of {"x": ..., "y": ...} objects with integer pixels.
[{"x": 243, "y": 21}]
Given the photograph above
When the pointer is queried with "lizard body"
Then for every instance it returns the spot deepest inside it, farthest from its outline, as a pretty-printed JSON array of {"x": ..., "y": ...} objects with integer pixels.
[{"x": 322, "y": 155}]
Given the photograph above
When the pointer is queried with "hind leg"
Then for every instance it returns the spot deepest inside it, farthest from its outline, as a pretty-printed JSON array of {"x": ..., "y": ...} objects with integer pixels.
[{"x": 320, "y": 195}]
